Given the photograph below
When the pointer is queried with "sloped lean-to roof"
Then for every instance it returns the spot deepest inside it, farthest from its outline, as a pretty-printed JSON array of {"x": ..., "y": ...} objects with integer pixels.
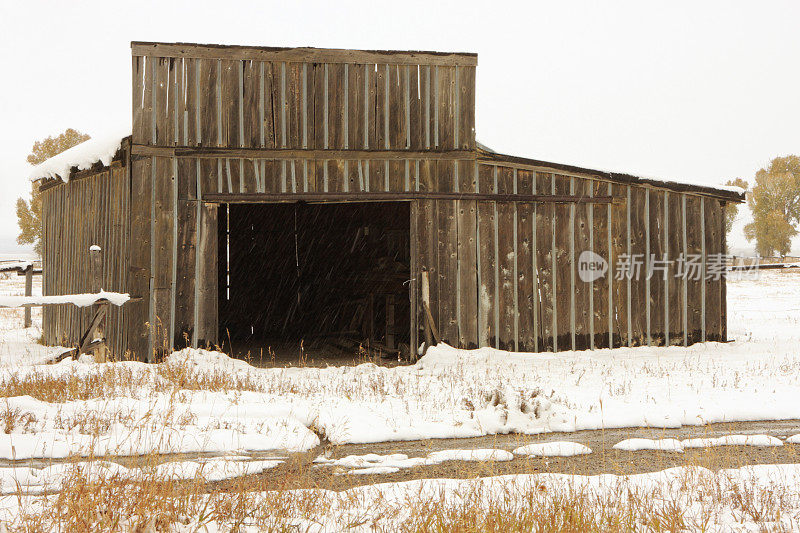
[{"x": 723, "y": 192}]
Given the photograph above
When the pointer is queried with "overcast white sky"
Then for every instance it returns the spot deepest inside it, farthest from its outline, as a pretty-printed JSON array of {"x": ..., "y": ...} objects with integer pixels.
[{"x": 701, "y": 90}]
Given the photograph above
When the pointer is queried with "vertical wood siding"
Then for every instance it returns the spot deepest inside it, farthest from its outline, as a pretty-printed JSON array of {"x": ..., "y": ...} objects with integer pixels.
[
  {"x": 78, "y": 214},
  {"x": 530, "y": 297}
]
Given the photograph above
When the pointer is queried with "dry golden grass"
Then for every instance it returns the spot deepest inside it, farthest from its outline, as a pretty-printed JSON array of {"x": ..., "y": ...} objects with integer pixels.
[
  {"x": 112, "y": 380},
  {"x": 148, "y": 503}
]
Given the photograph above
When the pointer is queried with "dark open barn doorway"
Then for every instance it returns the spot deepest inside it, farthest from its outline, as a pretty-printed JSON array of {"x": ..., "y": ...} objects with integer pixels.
[{"x": 333, "y": 277}]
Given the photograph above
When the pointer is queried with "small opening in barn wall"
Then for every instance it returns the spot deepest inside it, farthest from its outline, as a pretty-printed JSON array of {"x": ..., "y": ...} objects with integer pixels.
[{"x": 332, "y": 276}]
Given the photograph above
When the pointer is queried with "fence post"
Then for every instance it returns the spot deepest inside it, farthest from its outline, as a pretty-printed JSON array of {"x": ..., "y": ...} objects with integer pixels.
[
  {"x": 96, "y": 265},
  {"x": 28, "y": 291}
]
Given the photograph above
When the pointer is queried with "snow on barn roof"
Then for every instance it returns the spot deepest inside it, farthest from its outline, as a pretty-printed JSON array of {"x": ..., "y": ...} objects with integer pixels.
[{"x": 83, "y": 156}]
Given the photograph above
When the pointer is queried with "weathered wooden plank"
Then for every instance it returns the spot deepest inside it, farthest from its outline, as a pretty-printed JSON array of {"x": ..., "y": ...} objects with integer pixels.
[
  {"x": 468, "y": 273},
  {"x": 426, "y": 104},
  {"x": 506, "y": 244},
  {"x": 206, "y": 276},
  {"x": 658, "y": 268},
  {"x": 207, "y": 72},
  {"x": 638, "y": 253},
  {"x": 251, "y": 101},
  {"x": 526, "y": 282},
  {"x": 693, "y": 270},
  {"x": 353, "y": 102},
  {"x": 381, "y": 115},
  {"x": 371, "y": 140},
  {"x": 428, "y": 250},
  {"x": 269, "y": 101},
  {"x": 398, "y": 116},
  {"x": 229, "y": 71},
  {"x": 162, "y": 254},
  {"x": 185, "y": 290},
  {"x": 446, "y": 107},
  {"x": 714, "y": 230},
  {"x": 160, "y": 104},
  {"x": 295, "y": 110},
  {"x": 416, "y": 135},
  {"x": 191, "y": 118},
  {"x": 674, "y": 250},
  {"x": 600, "y": 287},
  {"x": 448, "y": 271},
  {"x": 485, "y": 243},
  {"x": 172, "y": 130},
  {"x": 139, "y": 258},
  {"x": 487, "y": 297},
  {"x": 446, "y": 176},
  {"x": 545, "y": 219},
  {"x": 619, "y": 247},
  {"x": 466, "y": 108},
  {"x": 139, "y": 131},
  {"x": 583, "y": 290},
  {"x": 563, "y": 266}
]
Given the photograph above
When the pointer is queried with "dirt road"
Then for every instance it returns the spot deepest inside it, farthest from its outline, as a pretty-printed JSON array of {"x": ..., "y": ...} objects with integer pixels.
[{"x": 297, "y": 472}]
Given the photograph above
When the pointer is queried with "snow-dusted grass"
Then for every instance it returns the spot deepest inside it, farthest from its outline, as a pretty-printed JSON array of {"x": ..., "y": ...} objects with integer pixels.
[{"x": 99, "y": 498}]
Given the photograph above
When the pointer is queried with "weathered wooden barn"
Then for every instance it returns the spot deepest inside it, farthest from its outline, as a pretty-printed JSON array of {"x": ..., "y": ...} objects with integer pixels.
[{"x": 298, "y": 193}]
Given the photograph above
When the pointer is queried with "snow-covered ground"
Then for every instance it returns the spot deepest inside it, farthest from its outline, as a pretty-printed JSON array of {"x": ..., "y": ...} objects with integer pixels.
[{"x": 199, "y": 401}]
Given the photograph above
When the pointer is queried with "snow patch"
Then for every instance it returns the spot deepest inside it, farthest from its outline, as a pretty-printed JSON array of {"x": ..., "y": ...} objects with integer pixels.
[
  {"x": 79, "y": 300},
  {"x": 375, "y": 470},
  {"x": 37, "y": 480},
  {"x": 480, "y": 455},
  {"x": 83, "y": 156},
  {"x": 553, "y": 449},
  {"x": 733, "y": 440},
  {"x": 664, "y": 445}
]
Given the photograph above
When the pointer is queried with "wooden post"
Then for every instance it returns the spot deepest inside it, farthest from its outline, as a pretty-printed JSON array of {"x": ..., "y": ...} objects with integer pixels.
[
  {"x": 431, "y": 332},
  {"x": 96, "y": 265},
  {"x": 426, "y": 301},
  {"x": 28, "y": 291}
]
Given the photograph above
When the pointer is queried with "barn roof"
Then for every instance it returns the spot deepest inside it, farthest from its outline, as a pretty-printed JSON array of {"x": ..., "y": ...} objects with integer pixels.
[
  {"x": 102, "y": 150},
  {"x": 302, "y": 54},
  {"x": 724, "y": 192}
]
